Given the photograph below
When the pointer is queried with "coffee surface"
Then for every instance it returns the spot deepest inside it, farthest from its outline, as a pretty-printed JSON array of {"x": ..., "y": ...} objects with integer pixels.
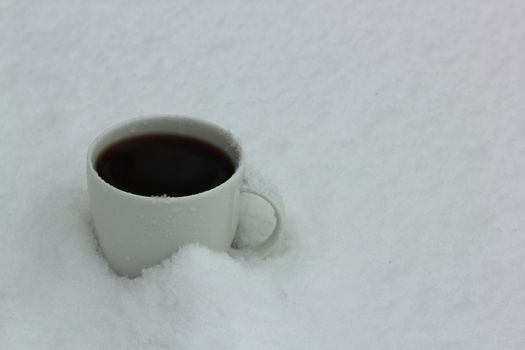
[{"x": 164, "y": 165}]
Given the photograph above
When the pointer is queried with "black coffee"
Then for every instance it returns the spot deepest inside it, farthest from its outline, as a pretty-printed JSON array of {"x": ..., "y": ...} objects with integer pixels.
[{"x": 164, "y": 165}]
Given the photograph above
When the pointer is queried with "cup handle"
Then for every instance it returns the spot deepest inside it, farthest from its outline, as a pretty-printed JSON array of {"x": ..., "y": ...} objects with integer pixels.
[{"x": 266, "y": 247}]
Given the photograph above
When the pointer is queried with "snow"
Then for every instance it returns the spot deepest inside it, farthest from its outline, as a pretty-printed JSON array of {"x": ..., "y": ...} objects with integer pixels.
[{"x": 392, "y": 129}]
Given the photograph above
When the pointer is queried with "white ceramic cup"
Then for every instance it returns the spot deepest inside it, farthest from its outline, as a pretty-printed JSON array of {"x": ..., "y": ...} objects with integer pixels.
[{"x": 136, "y": 232}]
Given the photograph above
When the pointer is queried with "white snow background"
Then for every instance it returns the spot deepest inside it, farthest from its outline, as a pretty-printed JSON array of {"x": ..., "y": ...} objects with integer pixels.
[{"x": 394, "y": 129}]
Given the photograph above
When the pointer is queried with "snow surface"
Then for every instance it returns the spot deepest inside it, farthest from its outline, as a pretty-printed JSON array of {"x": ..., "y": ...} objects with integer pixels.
[{"x": 394, "y": 130}]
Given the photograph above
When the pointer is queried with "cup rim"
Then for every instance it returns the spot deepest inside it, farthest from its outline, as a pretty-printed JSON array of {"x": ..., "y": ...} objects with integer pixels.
[{"x": 117, "y": 126}]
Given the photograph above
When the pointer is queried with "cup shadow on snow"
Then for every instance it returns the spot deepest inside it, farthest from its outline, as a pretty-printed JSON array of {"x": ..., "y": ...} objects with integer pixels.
[{"x": 97, "y": 248}]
